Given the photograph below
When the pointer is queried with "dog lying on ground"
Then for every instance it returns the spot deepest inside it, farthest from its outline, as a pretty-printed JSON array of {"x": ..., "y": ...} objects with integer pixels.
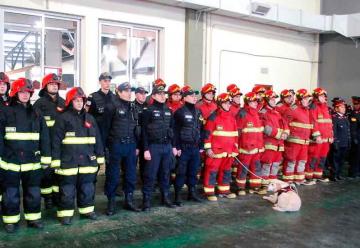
[{"x": 285, "y": 198}]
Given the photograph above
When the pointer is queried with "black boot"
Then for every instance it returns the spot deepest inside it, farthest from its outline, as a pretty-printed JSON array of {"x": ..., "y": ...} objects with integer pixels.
[
  {"x": 146, "y": 203},
  {"x": 48, "y": 202},
  {"x": 178, "y": 201},
  {"x": 129, "y": 203},
  {"x": 66, "y": 221},
  {"x": 111, "y": 206},
  {"x": 166, "y": 201},
  {"x": 193, "y": 196},
  {"x": 35, "y": 224},
  {"x": 91, "y": 216},
  {"x": 11, "y": 228}
]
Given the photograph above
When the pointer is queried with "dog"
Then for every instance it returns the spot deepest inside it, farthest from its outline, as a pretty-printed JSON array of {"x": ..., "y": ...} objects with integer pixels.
[{"x": 285, "y": 198}]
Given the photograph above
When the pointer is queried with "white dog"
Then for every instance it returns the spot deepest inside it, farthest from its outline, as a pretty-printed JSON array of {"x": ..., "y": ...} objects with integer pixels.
[{"x": 285, "y": 198}]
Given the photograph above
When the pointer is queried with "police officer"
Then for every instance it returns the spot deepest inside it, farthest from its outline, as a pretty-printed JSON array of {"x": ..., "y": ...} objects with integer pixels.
[
  {"x": 140, "y": 104},
  {"x": 341, "y": 144},
  {"x": 122, "y": 143},
  {"x": 4, "y": 90},
  {"x": 50, "y": 105},
  {"x": 24, "y": 147},
  {"x": 355, "y": 138},
  {"x": 188, "y": 125},
  {"x": 77, "y": 152},
  {"x": 158, "y": 140}
]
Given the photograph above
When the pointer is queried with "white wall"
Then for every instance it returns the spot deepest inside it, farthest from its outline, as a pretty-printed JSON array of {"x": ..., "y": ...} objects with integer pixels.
[
  {"x": 170, "y": 19},
  {"x": 238, "y": 50},
  {"x": 311, "y": 6}
]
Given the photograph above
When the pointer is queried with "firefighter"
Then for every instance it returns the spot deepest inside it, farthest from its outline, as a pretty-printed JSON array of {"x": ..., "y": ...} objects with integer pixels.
[
  {"x": 24, "y": 149},
  {"x": 207, "y": 104},
  {"x": 4, "y": 90},
  {"x": 251, "y": 145},
  {"x": 297, "y": 143},
  {"x": 174, "y": 98},
  {"x": 320, "y": 116},
  {"x": 342, "y": 139},
  {"x": 50, "y": 105},
  {"x": 276, "y": 131},
  {"x": 123, "y": 142},
  {"x": 354, "y": 116},
  {"x": 159, "y": 147},
  {"x": 287, "y": 99},
  {"x": 260, "y": 93},
  {"x": 76, "y": 153},
  {"x": 220, "y": 142},
  {"x": 187, "y": 130},
  {"x": 235, "y": 95},
  {"x": 140, "y": 104}
]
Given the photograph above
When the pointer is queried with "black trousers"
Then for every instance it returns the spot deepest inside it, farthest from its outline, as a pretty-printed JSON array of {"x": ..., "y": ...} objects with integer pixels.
[{"x": 338, "y": 158}]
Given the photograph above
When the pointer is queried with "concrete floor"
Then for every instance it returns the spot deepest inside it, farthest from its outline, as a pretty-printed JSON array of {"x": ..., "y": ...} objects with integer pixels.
[{"x": 329, "y": 217}]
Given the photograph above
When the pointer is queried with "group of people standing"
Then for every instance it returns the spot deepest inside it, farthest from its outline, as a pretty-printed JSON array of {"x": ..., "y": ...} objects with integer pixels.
[{"x": 54, "y": 147}]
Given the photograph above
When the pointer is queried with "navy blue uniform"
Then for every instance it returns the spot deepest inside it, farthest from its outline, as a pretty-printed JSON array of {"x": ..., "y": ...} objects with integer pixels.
[
  {"x": 355, "y": 143},
  {"x": 139, "y": 108}
]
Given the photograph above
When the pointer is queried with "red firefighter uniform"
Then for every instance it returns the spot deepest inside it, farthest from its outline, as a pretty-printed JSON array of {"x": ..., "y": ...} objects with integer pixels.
[
  {"x": 275, "y": 129},
  {"x": 251, "y": 144},
  {"x": 234, "y": 91},
  {"x": 221, "y": 137},
  {"x": 260, "y": 93},
  {"x": 282, "y": 106},
  {"x": 207, "y": 107},
  {"x": 296, "y": 145},
  {"x": 320, "y": 116},
  {"x": 174, "y": 105},
  {"x": 77, "y": 151}
]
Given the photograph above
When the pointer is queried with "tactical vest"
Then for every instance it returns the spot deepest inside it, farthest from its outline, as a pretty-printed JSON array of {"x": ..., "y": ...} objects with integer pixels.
[
  {"x": 158, "y": 129},
  {"x": 190, "y": 130}
]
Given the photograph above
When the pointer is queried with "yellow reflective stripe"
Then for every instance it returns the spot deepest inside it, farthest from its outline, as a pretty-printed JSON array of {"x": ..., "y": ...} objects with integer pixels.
[
  {"x": 252, "y": 130},
  {"x": 33, "y": 216},
  {"x": 12, "y": 219},
  {"x": 317, "y": 173},
  {"x": 288, "y": 177},
  {"x": 86, "y": 210},
  {"x": 55, "y": 189},
  {"x": 330, "y": 140},
  {"x": 45, "y": 160},
  {"x": 255, "y": 181},
  {"x": 88, "y": 169},
  {"x": 233, "y": 154},
  {"x": 241, "y": 181},
  {"x": 207, "y": 145},
  {"x": 100, "y": 160},
  {"x": 67, "y": 172},
  {"x": 308, "y": 174},
  {"x": 225, "y": 133},
  {"x": 21, "y": 136},
  {"x": 287, "y": 131},
  {"x": 55, "y": 163},
  {"x": 65, "y": 213},
  {"x": 324, "y": 120},
  {"x": 223, "y": 188},
  {"x": 209, "y": 190},
  {"x": 317, "y": 133},
  {"x": 50, "y": 123},
  {"x": 79, "y": 140},
  {"x": 220, "y": 155},
  {"x": 46, "y": 191},
  {"x": 30, "y": 167},
  {"x": 0, "y": 198},
  {"x": 301, "y": 125},
  {"x": 274, "y": 148},
  {"x": 298, "y": 141},
  {"x": 18, "y": 168},
  {"x": 253, "y": 151},
  {"x": 279, "y": 133},
  {"x": 299, "y": 177}
]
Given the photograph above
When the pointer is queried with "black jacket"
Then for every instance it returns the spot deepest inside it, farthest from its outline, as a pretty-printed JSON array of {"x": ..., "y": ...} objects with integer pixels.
[{"x": 341, "y": 128}]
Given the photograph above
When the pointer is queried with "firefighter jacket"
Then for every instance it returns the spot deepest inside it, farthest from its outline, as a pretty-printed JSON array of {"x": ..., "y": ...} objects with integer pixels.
[
  {"x": 76, "y": 144},
  {"x": 282, "y": 107},
  {"x": 206, "y": 108},
  {"x": 341, "y": 127},
  {"x": 122, "y": 121},
  {"x": 158, "y": 124},
  {"x": 274, "y": 127},
  {"x": 50, "y": 108},
  {"x": 173, "y": 106},
  {"x": 221, "y": 134},
  {"x": 24, "y": 139},
  {"x": 251, "y": 131},
  {"x": 320, "y": 117},
  {"x": 188, "y": 126},
  {"x": 301, "y": 128},
  {"x": 234, "y": 109}
]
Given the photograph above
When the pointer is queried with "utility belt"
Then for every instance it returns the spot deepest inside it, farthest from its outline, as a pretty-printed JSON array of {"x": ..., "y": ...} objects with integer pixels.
[
  {"x": 125, "y": 140},
  {"x": 164, "y": 140}
]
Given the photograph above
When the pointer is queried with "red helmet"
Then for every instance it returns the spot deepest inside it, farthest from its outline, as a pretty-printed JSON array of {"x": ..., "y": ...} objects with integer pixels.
[
  {"x": 74, "y": 93},
  {"x": 250, "y": 97},
  {"x": 259, "y": 89},
  {"x": 208, "y": 88},
  {"x": 159, "y": 82},
  {"x": 50, "y": 78},
  {"x": 302, "y": 93},
  {"x": 285, "y": 93},
  {"x": 21, "y": 84},
  {"x": 4, "y": 78},
  {"x": 233, "y": 90},
  {"x": 270, "y": 94},
  {"x": 187, "y": 90},
  {"x": 223, "y": 97},
  {"x": 174, "y": 88},
  {"x": 318, "y": 92},
  {"x": 337, "y": 101}
]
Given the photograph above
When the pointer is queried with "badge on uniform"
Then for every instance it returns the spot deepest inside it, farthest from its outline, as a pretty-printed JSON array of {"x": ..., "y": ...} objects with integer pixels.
[
  {"x": 47, "y": 118},
  {"x": 167, "y": 113},
  {"x": 321, "y": 116},
  {"x": 60, "y": 109},
  {"x": 250, "y": 124},
  {"x": 87, "y": 124},
  {"x": 121, "y": 112},
  {"x": 10, "y": 129},
  {"x": 88, "y": 103},
  {"x": 70, "y": 134},
  {"x": 100, "y": 110},
  {"x": 353, "y": 119},
  {"x": 218, "y": 127},
  {"x": 188, "y": 116},
  {"x": 92, "y": 157}
]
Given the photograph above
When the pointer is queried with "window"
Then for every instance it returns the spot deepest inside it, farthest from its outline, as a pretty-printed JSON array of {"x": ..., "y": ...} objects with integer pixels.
[
  {"x": 129, "y": 53},
  {"x": 35, "y": 44}
]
